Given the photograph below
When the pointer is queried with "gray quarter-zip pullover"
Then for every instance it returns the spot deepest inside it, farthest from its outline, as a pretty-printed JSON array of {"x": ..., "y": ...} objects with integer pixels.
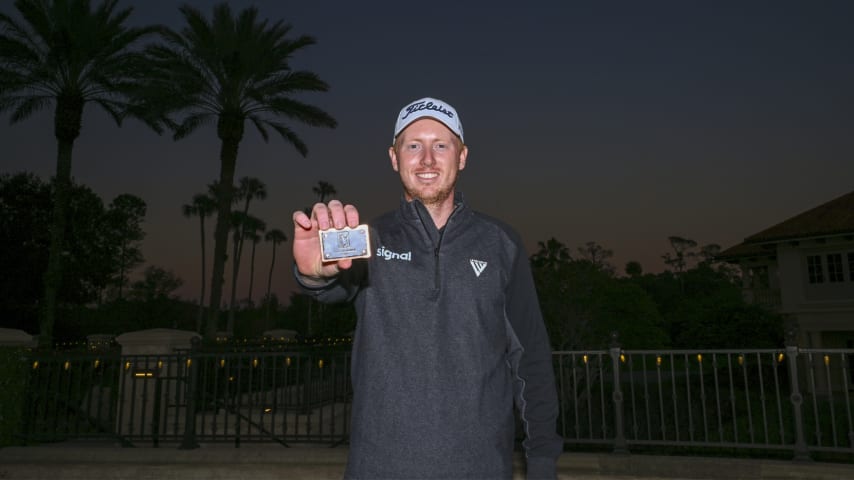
[{"x": 449, "y": 336}]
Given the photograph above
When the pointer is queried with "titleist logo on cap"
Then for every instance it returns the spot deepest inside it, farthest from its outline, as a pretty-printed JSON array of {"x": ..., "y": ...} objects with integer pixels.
[
  {"x": 422, "y": 105},
  {"x": 430, "y": 108}
]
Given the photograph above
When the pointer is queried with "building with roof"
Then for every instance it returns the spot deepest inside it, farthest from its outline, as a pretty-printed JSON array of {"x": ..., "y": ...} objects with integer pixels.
[{"x": 803, "y": 268}]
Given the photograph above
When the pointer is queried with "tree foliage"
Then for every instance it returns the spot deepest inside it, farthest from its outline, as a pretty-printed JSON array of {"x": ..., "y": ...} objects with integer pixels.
[
  {"x": 123, "y": 226},
  {"x": 226, "y": 71},
  {"x": 597, "y": 255},
  {"x": 584, "y": 304},
  {"x": 65, "y": 54},
  {"x": 96, "y": 241},
  {"x": 202, "y": 206},
  {"x": 692, "y": 306}
]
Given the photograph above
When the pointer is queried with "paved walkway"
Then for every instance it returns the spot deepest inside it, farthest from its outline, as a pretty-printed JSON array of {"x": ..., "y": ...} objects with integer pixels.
[{"x": 264, "y": 461}]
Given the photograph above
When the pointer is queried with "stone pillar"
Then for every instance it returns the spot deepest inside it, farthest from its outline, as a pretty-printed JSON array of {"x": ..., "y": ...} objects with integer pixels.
[{"x": 154, "y": 366}]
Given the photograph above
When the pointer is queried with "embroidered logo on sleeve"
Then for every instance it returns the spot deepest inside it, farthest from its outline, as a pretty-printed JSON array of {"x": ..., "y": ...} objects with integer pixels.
[{"x": 478, "y": 266}]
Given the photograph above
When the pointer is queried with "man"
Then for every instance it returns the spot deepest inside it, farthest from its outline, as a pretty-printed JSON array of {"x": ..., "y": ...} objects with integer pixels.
[{"x": 449, "y": 330}]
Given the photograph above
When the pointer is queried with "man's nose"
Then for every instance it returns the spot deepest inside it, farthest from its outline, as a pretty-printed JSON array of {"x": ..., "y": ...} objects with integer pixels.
[{"x": 427, "y": 158}]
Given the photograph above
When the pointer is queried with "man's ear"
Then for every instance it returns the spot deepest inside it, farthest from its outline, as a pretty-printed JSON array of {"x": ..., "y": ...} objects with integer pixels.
[
  {"x": 393, "y": 156},
  {"x": 464, "y": 153}
]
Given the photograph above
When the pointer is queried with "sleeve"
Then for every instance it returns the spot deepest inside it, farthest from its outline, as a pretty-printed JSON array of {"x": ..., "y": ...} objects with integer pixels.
[
  {"x": 530, "y": 358},
  {"x": 340, "y": 288}
]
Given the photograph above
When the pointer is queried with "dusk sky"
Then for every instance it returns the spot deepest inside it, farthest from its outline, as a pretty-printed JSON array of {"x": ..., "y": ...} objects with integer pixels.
[{"x": 619, "y": 122}]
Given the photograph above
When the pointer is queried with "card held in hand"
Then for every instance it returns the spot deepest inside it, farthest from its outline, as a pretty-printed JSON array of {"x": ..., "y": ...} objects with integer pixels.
[{"x": 340, "y": 244}]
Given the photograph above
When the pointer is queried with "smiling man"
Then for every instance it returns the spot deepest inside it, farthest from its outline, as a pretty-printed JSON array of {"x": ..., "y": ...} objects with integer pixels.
[{"x": 449, "y": 336}]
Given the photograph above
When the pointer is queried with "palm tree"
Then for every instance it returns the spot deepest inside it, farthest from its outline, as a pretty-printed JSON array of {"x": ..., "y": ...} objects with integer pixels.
[
  {"x": 202, "y": 206},
  {"x": 65, "y": 54},
  {"x": 237, "y": 220},
  {"x": 248, "y": 190},
  {"x": 230, "y": 70},
  {"x": 276, "y": 236},
  {"x": 244, "y": 225},
  {"x": 324, "y": 190},
  {"x": 551, "y": 254},
  {"x": 255, "y": 236}
]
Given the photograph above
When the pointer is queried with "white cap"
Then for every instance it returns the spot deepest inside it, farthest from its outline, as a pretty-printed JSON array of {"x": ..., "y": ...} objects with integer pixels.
[{"x": 432, "y": 108}]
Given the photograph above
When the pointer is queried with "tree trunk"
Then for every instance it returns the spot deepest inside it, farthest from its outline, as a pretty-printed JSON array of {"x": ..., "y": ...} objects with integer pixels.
[
  {"x": 67, "y": 118},
  {"x": 252, "y": 271},
  {"x": 230, "y": 131},
  {"x": 121, "y": 270},
  {"x": 269, "y": 283},
  {"x": 201, "y": 317},
  {"x": 235, "y": 268},
  {"x": 239, "y": 234}
]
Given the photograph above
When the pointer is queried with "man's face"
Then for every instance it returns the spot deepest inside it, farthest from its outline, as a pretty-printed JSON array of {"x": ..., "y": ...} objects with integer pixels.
[{"x": 428, "y": 157}]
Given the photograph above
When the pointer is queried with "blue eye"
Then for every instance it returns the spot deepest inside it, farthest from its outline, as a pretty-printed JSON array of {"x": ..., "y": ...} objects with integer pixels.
[{"x": 440, "y": 146}]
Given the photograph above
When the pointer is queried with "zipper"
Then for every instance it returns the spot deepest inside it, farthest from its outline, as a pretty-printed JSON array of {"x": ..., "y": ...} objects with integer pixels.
[
  {"x": 437, "y": 285},
  {"x": 436, "y": 280}
]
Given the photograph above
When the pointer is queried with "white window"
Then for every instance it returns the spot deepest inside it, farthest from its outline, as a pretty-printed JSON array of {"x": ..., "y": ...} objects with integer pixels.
[
  {"x": 815, "y": 272},
  {"x": 835, "y": 274}
]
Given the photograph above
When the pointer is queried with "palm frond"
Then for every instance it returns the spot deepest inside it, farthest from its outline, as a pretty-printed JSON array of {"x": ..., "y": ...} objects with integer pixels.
[
  {"x": 290, "y": 136},
  {"x": 259, "y": 125},
  {"x": 298, "y": 43},
  {"x": 114, "y": 109},
  {"x": 28, "y": 106},
  {"x": 16, "y": 53},
  {"x": 305, "y": 113},
  {"x": 37, "y": 16},
  {"x": 191, "y": 123},
  {"x": 230, "y": 63}
]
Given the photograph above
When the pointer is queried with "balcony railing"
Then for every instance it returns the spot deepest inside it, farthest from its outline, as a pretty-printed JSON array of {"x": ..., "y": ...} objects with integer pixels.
[
  {"x": 791, "y": 400},
  {"x": 767, "y": 297}
]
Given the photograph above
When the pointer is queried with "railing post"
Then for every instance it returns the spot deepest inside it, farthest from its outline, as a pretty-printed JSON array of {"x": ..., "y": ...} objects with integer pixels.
[
  {"x": 800, "y": 448},
  {"x": 620, "y": 445},
  {"x": 189, "y": 442}
]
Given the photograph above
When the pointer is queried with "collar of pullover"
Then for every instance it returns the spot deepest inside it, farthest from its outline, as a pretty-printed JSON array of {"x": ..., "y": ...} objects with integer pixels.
[{"x": 416, "y": 211}]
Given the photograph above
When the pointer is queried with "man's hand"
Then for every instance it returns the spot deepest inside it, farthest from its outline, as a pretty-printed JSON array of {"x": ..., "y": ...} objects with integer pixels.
[{"x": 306, "y": 241}]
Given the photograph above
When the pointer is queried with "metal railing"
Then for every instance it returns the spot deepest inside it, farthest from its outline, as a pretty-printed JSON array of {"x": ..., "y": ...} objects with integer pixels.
[
  {"x": 786, "y": 400},
  {"x": 190, "y": 397}
]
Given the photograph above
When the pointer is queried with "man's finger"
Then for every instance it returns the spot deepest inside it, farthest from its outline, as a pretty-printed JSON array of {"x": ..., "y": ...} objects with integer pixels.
[
  {"x": 352, "y": 216},
  {"x": 302, "y": 220},
  {"x": 320, "y": 213},
  {"x": 336, "y": 213}
]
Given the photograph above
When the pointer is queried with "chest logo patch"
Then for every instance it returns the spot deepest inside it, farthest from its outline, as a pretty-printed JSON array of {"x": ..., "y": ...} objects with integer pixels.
[
  {"x": 478, "y": 266},
  {"x": 383, "y": 252}
]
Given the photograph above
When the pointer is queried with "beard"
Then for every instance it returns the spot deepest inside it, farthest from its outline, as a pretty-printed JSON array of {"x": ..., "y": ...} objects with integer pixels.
[
  {"x": 436, "y": 197},
  {"x": 431, "y": 196}
]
